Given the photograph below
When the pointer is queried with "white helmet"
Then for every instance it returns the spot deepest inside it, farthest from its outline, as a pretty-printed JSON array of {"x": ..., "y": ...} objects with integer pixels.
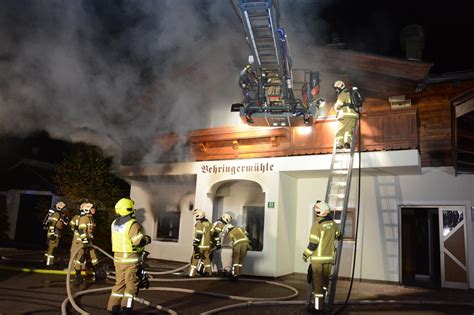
[
  {"x": 226, "y": 218},
  {"x": 321, "y": 208},
  {"x": 339, "y": 85},
  {"x": 60, "y": 205},
  {"x": 86, "y": 207},
  {"x": 199, "y": 214}
]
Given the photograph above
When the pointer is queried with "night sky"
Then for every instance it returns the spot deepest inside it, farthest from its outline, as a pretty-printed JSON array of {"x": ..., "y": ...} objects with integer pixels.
[{"x": 74, "y": 70}]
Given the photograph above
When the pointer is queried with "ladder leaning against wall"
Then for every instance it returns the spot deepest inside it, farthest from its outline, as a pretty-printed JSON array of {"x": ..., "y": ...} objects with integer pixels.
[{"x": 337, "y": 196}]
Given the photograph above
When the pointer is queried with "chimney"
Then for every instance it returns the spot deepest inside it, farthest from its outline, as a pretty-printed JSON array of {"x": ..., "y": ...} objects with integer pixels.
[{"x": 412, "y": 41}]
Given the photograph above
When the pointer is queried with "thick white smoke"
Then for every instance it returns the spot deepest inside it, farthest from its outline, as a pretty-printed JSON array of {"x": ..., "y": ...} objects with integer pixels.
[{"x": 117, "y": 73}]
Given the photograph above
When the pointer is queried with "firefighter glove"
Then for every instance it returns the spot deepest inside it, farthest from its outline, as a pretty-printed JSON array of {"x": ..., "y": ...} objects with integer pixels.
[
  {"x": 197, "y": 255},
  {"x": 218, "y": 246},
  {"x": 305, "y": 257},
  {"x": 85, "y": 241},
  {"x": 52, "y": 237}
]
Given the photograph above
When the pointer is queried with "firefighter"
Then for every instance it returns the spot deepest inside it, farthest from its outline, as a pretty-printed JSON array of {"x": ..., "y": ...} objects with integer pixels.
[
  {"x": 216, "y": 233},
  {"x": 321, "y": 251},
  {"x": 240, "y": 244},
  {"x": 55, "y": 222},
  {"x": 200, "y": 261},
  {"x": 346, "y": 116},
  {"x": 248, "y": 80},
  {"x": 75, "y": 244},
  {"x": 128, "y": 242},
  {"x": 86, "y": 257}
]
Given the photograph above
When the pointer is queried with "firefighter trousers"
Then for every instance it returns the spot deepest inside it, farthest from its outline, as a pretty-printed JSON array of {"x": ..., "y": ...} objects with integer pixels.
[
  {"x": 239, "y": 252},
  {"x": 52, "y": 245},
  {"x": 321, "y": 273},
  {"x": 84, "y": 256},
  {"x": 344, "y": 130},
  {"x": 203, "y": 256},
  {"x": 126, "y": 286}
]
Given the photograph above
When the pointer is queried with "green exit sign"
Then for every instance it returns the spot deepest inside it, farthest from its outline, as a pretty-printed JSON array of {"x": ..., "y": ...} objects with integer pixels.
[{"x": 271, "y": 204}]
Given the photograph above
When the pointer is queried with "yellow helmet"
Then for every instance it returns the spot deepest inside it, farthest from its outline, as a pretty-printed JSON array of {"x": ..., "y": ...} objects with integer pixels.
[
  {"x": 60, "y": 205},
  {"x": 124, "y": 207},
  {"x": 226, "y": 218}
]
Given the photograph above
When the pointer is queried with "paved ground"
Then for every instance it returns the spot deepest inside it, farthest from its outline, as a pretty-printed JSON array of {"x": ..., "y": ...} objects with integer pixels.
[{"x": 31, "y": 293}]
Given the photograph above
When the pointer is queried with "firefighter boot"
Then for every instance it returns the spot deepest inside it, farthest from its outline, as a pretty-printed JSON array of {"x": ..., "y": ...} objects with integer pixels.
[
  {"x": 127, "y": 310},
  {"x": 78, "y": 278},
  {"x": 115, "y": 310}
]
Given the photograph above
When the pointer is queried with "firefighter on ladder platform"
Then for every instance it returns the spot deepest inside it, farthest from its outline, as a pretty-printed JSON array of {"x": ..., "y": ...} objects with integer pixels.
[
  {"x": 54, "y": 223},
  {"x": 201, "y": 261},
  {"x": 321, "y": 252},
  {"x": 346, "y": 114}
]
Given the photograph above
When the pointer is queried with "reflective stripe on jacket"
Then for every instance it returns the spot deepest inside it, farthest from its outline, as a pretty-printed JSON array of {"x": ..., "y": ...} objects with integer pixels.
[
  {"x": 238, "y": 235},
  {"x": 324, "y": 233},
  {"x": 344, "y": 107},
  {"x": 202, "y": 234},
  {"x": 121, "y": 241}
]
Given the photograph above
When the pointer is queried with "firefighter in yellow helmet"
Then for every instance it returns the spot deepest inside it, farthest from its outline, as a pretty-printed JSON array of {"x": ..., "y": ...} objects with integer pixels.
[
  {"x": 201, "y": 261},
  {"x": 240, "y": 244},
  {"x": 346, "y": 116},
  {"x": 217, "y": 235},
  {"x": 54, "y": 223},
  {"x": 321, "y": 251},
  {"x": 128, "y": 242}
]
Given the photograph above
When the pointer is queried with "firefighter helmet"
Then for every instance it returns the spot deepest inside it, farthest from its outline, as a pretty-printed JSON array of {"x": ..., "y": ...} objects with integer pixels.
[
  {"x": 199, "y": 214},
  {"x": 60, "y": 205},
  {"x": 321, "y": 208},
  {"x": 86, "y": 207},
  {"x": 226, "y": 218},
  {"x": 339, "y": 85},
  {"x": 124, "y": 207}
]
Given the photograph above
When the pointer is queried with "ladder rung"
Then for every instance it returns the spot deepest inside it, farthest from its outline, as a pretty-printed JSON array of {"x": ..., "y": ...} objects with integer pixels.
[
  {"x": 337, "y": 208},
  {"x": 340, "y": 171},
  {"x": 337, "y": 195},
  {"x": 339, "y": 183}
]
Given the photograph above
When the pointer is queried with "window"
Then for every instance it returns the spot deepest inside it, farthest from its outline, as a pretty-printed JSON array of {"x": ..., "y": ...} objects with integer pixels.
[
  {"x": 171, "y": 196},
  {"x": 255, "y": 220},
  {"x": 168, "y": 227}
]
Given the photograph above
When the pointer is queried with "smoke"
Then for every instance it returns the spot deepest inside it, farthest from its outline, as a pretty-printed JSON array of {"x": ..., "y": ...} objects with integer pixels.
[{"x": 118, "y": 73}]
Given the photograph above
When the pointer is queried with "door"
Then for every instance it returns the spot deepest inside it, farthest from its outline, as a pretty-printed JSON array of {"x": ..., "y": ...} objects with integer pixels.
[
  {"x": 420, "y": 260},
  {"x": 453, "y": 250}
]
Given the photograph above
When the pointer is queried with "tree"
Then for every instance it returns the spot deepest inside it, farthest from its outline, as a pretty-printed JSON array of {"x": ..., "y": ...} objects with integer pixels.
[{"x": 85, "y": 175}]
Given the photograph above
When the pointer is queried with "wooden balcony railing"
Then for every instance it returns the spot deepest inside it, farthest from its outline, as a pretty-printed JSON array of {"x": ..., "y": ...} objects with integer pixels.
[{"x": 381, "y": 130}]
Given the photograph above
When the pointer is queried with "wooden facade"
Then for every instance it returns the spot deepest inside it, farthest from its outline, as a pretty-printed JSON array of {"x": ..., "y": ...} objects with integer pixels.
[
  {"x": 426, "y": 125},
  {"x": 382, "y": 130}
]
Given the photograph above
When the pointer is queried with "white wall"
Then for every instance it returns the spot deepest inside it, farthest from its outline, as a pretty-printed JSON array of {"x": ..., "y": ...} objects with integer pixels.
[{"x": 286, "y": 229}]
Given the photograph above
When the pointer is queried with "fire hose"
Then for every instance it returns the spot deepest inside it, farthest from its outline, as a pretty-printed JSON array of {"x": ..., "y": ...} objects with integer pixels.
[{"x": 71, "y": 296}]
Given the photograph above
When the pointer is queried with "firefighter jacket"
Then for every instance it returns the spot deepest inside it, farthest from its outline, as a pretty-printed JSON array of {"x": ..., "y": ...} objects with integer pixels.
[
  {"x": 127, "y": 236},
  {"x": 344, "y": 107},
  {"x": 86, "y": 228},
  {"x": 202, "y": 234},
  {"x": 238, "y": 235},
  {"x": 321, "y": 247},
  {"x": 55, "y": 224},
  {"x": 216, "y": 232},
  {"x": 74, "y": 225}
]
